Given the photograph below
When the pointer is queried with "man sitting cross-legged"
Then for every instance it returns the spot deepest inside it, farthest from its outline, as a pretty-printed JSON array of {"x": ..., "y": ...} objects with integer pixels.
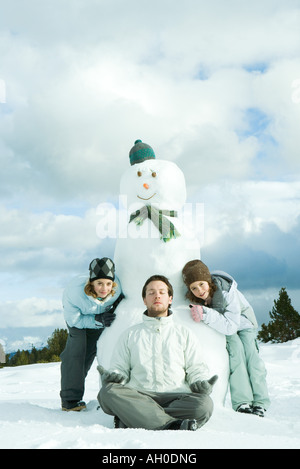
[{"x": 157, "y": 379}]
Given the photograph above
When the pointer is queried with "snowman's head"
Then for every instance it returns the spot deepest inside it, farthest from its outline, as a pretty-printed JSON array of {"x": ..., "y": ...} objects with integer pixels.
[{"x": 154, "y": 182}]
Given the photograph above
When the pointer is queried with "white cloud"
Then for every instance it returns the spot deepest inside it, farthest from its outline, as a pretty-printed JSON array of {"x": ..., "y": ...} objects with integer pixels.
[
  {"x": 24, "y": 230},
  {"x": 31, "y": 312},
  {"x": 80, "y": 98},
  {"x": 188, "y": 78},
  {"x": 40, "y": 252},
  {"x": 2, "y": 91},
  {"x": 243, "y": 208}
]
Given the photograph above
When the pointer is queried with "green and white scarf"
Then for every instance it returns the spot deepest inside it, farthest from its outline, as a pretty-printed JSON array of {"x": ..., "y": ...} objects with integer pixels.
[{"x": 158, "y": 217}]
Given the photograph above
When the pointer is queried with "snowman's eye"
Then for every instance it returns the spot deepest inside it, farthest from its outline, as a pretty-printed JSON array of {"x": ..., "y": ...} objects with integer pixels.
[
  {"x": 139, "y": 173},
  {"x": 154, "y": 174}
]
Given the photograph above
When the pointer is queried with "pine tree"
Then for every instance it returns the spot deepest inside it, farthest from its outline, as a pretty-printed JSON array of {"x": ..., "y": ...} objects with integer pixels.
[
  {"x": 285, "y": 321},
  {"x": 57, "y": 343}
]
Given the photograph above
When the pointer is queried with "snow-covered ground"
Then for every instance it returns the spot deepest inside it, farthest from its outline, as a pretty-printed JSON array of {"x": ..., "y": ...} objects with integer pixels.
[{"x": 30, "y": 415}]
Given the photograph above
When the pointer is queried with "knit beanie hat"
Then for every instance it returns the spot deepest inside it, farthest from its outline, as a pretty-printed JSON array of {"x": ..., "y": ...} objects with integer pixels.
[
  {"x": 195, "y": 271},
  {"x": 102, "y": 268},
  {"x": 140, "y": 152}
]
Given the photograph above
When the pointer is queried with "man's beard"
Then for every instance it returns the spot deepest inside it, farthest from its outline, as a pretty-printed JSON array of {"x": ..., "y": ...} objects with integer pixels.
[{"x": 157, "y": 311}]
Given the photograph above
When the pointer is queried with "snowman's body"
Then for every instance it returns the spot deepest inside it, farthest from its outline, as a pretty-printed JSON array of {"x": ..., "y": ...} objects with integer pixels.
[{"x": 141, "y": 252}]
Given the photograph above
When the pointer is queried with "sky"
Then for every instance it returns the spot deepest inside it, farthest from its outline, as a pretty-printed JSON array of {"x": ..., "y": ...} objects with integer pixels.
[{"x": 213, "y": 86}]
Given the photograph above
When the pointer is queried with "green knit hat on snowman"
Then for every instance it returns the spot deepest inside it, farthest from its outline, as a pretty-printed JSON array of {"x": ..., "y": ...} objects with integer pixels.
[{"x": 140, "y": 152}]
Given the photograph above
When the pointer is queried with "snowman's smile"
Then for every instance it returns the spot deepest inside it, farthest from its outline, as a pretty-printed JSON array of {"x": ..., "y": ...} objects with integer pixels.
[{"x": 148, "y": 197}]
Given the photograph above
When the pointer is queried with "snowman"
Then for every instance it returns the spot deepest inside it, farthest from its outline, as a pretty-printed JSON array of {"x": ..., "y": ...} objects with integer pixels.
[{"x": 155, "y": 240}]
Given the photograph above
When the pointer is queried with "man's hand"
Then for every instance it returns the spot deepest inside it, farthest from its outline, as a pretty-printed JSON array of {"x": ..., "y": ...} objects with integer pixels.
[
  {"x": 110, "y": 377},
  {"x": 204, "y": 387}
]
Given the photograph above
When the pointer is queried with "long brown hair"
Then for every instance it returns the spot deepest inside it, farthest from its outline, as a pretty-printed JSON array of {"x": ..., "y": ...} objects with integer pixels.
[
  {"x": 190, "y": 295},
  {"x": 89, "y": 289}
]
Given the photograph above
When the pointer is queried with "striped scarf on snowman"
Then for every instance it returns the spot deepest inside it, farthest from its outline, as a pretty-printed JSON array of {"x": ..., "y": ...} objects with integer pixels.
[{"x": 158, "y": 217}]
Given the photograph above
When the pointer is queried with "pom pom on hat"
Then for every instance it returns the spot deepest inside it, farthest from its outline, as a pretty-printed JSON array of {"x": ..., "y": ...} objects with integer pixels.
[{"x": 140, "y": 152}]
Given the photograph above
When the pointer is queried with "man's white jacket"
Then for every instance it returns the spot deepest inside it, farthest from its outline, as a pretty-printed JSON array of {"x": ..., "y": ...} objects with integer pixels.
[{"x": 159, "y": 355}]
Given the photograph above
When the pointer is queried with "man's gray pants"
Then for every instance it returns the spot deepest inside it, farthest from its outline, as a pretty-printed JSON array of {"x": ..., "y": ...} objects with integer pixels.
[{"x": 153, "y": 411}]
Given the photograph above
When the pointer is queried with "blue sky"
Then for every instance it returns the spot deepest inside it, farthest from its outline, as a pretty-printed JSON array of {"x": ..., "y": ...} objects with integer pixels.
[{"x": 213, "y": 86}]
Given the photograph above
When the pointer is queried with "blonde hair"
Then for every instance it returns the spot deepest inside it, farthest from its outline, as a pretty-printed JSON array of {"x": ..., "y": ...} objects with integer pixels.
[{"x": 89, "y": 289}]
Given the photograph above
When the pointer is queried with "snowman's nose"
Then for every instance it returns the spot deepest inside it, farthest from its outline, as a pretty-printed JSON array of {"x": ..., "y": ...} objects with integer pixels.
[{"x": 146, "y": 186}]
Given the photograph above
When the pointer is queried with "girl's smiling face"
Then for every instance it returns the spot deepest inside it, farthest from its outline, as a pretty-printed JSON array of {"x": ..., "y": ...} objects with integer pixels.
[
  {"x": 200, "y": 289},
  {"x": 102, "y": 287}
]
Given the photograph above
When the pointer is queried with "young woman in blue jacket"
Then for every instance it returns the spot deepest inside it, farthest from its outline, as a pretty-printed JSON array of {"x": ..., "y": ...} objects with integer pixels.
[{"x": 89, "y": 304}]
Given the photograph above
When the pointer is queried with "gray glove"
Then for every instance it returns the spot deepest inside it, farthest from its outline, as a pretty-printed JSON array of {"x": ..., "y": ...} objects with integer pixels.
[
  {"x": 109, "y": 377},
  {"x": 204, "y": 387}
]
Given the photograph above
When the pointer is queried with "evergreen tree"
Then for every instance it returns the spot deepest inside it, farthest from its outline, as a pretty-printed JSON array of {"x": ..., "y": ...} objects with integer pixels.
[
  {"x": 285, "y": 321},
  {"x": 57, "y": 342},
  {"x": 21, "y": 357},
  {"x": 33, "y": 355}
]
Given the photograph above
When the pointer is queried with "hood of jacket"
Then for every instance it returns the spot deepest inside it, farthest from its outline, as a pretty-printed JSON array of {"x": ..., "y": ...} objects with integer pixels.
[
  {"x": 224, "y": 283},
  {"x": 227, "y": 293}
]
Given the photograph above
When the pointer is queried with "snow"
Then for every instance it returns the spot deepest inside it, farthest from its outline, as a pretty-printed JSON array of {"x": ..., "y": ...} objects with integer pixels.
[{"x": 31, "y": 418}]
